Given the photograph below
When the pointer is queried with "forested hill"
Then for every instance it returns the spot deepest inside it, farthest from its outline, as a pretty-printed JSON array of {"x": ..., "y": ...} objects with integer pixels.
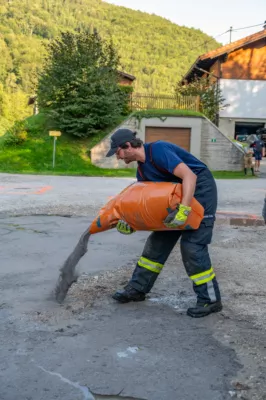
[{"x": 153, "y": 49}]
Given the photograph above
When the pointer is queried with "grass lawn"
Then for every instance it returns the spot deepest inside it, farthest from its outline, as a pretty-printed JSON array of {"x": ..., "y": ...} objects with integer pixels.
[
  {"x": 165, "y": 113},
  {"x": 232, "y": 175},
  {"x": 36, "y": 154},
  {"x": 72, "y": 155}
]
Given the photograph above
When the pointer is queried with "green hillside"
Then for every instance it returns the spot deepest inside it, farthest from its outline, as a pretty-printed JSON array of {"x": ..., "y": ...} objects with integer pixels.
[{"x": 157, "y": 51}]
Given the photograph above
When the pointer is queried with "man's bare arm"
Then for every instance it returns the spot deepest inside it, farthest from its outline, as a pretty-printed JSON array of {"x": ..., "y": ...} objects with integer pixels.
[{"x": 189, "y": 182}]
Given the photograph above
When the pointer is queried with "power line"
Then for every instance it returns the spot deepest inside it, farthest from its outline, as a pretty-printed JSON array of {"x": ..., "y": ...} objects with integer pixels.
[
  {"x": 228, "y": 30},
  {"x": 247, "y": 27},
  {"x": 208, "y": 41},
  {"x": 221, "y": 34}
]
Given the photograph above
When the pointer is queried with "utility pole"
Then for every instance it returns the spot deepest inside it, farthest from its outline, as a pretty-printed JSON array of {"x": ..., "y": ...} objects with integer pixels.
[{"x": 231, "y": 30}]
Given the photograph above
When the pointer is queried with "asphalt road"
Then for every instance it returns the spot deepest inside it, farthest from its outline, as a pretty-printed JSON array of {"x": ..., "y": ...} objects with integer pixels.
[
  {"x": 92, "y": 348},
  {"x": 31, "y": 194}
]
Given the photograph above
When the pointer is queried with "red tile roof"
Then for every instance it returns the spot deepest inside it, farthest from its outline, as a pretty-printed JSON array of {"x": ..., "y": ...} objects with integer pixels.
[
  {"x": 234, "y": 45},
  {"x": 207, "y": 59}
]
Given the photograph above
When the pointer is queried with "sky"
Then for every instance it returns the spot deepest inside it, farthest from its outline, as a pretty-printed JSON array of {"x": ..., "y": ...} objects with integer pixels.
[{"x": 210, "y": 16}]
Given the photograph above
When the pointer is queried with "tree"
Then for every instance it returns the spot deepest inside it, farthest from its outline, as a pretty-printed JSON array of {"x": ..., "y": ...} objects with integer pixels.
[
  {"x": 78, "y": 87},
  {"x": 140, "y": 38},
  {"x": 209, "y": 91}
]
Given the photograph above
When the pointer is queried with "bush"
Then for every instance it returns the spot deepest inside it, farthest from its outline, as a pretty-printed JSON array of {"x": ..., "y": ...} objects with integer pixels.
[
  {"x": 126, "y": 92},
  {"x": 16, "y": 135},
  {"x": 210, "y": 93},
  {"x": 37, "y": 125}
]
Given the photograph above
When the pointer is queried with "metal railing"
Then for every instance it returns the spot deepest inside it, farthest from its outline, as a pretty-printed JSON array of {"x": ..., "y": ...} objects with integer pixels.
[{"x": 143, "y": 101}]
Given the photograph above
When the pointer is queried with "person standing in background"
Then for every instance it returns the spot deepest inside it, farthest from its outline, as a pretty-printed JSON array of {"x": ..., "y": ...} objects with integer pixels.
[{"x": 259, "y": 152}]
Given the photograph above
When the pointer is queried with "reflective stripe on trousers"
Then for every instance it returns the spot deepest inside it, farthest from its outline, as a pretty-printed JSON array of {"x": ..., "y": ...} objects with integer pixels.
[
  {"x": 150, "y": 265},
  {"x": 203, "y": 277}
]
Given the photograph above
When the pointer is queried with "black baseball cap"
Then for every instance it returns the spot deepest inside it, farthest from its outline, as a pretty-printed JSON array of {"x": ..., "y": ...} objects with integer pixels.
[{"x": 120, "y": 137}]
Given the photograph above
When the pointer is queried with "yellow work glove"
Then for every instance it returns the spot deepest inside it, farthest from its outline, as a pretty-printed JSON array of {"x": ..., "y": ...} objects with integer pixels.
[
  {"x": 177, "y": 217},
  {"x": 124, "y": 228}
]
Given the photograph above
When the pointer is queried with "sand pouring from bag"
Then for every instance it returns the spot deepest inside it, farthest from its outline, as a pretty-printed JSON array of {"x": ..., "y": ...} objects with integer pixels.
[{"x": 67, "y": 272}]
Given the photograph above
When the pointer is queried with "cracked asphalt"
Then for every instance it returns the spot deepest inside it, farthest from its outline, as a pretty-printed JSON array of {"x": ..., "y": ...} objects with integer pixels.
[{"x": 93, "y": 348}]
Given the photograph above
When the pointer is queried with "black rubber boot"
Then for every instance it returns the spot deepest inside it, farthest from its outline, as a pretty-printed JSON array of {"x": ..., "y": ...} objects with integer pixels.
[
  {"x": 252, "y": 170},
  {"x": 245, "y": 170},
  {"x": 128, "y": 294},
  {"x": 202, "y": 310}
]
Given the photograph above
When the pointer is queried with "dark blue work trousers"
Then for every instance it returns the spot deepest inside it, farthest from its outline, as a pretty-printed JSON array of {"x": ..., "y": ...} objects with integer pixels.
[{"x": 194, "y": 248}]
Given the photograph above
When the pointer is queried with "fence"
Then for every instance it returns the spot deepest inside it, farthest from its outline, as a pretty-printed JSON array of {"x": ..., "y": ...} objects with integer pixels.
[{"x": 141, "y": 101}]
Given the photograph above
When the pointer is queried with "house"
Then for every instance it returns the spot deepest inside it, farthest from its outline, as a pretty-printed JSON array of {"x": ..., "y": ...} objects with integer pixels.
[
  {"x": 240, "y": 70},
  {"x": 125, "y": 79},
  {"x": 33, "y": 101}
]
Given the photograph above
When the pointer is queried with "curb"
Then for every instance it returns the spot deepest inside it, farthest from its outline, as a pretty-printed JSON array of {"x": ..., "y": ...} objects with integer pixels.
[{"x": 238, "y": 219}]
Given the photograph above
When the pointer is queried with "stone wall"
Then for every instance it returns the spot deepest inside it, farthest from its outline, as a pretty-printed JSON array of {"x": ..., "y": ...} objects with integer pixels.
[
  {"x": 217, "y": 150},
  {"x": 99, "y": 151}
]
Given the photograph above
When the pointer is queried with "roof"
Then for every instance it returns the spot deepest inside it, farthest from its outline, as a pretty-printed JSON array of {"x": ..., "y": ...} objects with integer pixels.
[
  {"x": 206, "y": 60},
  {"x": 32, "y": 100},
  {"x": 128, "y": 76}
]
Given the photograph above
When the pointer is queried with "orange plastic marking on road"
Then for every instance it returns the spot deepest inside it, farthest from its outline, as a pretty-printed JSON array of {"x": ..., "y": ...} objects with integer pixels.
[
  {"x": 43, "y": 190},
  {"x": 253, "y": 216}
]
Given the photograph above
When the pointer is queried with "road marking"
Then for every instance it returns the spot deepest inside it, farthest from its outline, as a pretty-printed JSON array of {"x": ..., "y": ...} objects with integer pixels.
[
  {"x": 242, "y": 214},
  {"x": 9, "y": 190},
  {"x": 43, "y": 190}
]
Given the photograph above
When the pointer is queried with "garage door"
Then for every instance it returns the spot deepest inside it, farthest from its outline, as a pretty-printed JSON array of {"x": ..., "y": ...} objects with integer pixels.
[{"x": 179, "y": 136}]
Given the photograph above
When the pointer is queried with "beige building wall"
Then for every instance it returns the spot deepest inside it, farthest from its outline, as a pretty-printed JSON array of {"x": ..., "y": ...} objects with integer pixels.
[{"x": 177, "y": 122}]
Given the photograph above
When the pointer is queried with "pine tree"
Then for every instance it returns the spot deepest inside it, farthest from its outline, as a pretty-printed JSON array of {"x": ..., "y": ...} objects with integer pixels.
[{"x": 78, "y": 87}]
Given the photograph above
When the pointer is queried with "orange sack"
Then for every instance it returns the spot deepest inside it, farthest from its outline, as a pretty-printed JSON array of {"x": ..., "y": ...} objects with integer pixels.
[{"x": 144, "y": 206}]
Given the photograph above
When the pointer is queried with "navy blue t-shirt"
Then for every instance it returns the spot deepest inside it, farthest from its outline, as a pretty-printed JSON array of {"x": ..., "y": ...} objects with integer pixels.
[{"x": 166, "y": 156}]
